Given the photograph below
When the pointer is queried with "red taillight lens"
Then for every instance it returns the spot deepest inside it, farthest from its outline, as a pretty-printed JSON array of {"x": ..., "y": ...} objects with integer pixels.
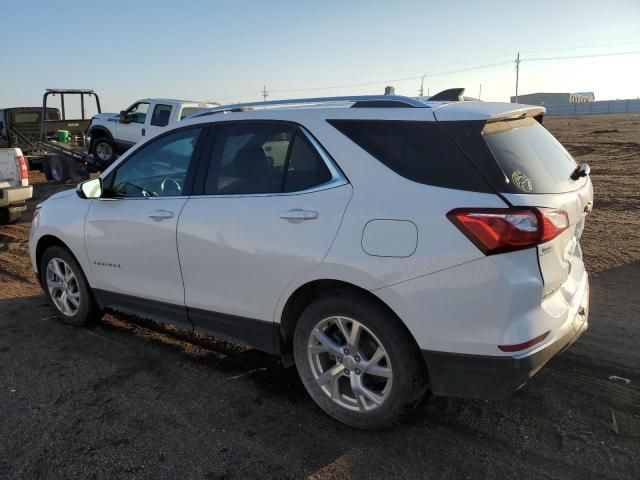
[
  {"x": 497, "y": 230},
  {"x": 24, "y": 168}
]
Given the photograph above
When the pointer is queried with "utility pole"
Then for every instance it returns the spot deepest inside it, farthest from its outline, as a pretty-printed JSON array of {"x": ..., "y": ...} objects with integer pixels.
[
  {"x": 517, "y": 74},
  {"x": 422, "y": 84},
  {"x": 480, "y": 92},
  {"x": 265, "y": 94}
]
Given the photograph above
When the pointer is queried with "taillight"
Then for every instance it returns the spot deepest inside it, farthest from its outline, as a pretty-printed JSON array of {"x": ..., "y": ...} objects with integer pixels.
[
  {"x": 24, "y": 168},
  {"x": 497, "y": 230}
]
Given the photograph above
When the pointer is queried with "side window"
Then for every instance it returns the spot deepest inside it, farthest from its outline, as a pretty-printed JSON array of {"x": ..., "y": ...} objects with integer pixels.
[
  {"x": 249, "y": 158},
  {"x": 159, "y": 169},
  {"x": 256, "y": 158},
  {"x": 419, "y": 151},
  {"x": 138, "y": 112},
  {"x": 305, "y": 168},
  {"x": 161, "y": 114}
]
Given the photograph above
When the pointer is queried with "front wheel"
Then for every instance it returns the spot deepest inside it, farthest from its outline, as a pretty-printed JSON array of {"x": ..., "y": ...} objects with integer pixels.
[
  {"x": 358, "y": 363},
  {"x": 67, "y": 288}
]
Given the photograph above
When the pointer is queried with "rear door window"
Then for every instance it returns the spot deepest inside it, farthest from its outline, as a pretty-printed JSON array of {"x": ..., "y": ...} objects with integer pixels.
[
  {"x": 161, "y": 115},
  {"x": 531, "y": 158},
  {"x": 420, "y": 151},
  {"x": 260, "y": 158}
]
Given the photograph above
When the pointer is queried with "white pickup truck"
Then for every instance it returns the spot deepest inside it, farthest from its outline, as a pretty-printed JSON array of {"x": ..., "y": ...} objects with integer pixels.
[
  {"x": 113, "y": 133},
  {"x": 14, "y": 184}
]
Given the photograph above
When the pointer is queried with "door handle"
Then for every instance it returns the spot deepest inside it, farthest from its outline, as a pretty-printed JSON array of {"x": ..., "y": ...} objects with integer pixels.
[
  {"x": 143, "y": 132},
  {"x": 298, "y": 214},
  {"x": 161, "y": 215}
]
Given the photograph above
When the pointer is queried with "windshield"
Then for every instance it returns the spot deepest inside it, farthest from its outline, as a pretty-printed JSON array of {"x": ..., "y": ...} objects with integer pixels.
[{"x": 531, "y": 158}]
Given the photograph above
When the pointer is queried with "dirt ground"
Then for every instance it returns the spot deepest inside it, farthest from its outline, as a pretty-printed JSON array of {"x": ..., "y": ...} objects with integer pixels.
[{"x": 131, "y": 399}]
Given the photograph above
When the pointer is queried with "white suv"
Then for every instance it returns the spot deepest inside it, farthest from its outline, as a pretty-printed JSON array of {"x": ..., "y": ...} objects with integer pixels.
[{"x": 386, "y": 245}]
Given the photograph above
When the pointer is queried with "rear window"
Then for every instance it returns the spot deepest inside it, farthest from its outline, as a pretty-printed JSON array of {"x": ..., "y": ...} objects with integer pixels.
[
  {"x": 531, "y": 158},
  {"x": 420, "y": 151},
  {"x": 186, "y": 111},
  {"x": 33, "y": 116}
]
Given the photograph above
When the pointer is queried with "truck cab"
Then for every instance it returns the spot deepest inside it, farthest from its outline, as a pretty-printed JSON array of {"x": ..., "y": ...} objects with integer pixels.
[{"x": 113, "y": 133}]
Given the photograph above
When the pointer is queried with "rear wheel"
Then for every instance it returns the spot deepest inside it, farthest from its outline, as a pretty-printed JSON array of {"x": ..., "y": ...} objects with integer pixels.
[
  {"x": 357, "y": 362},
  {"x": 103, "y": 149},
  {"x": 67, "y": 288}
]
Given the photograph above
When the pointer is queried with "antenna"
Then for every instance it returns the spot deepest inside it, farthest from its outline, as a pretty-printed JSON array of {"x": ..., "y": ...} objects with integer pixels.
[{"x": 265, "y": 94}]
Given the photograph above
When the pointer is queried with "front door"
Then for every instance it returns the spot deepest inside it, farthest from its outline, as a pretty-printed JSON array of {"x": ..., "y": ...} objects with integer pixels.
[
  {"x": 130, "y": 233},
  {"x": 267, "y": 215},
  {"x": 134, "y": 128}
]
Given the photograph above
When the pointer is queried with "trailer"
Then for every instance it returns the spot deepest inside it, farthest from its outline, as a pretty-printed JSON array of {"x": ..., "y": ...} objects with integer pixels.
[{"x": 60, "y": 148}]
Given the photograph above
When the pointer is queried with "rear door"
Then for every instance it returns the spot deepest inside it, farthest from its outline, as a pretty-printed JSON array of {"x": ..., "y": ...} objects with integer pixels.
[
  {"x": 268, "y": 212},
  {"x": 160, "y": 117},
  {"x": 539, "y": 171}
]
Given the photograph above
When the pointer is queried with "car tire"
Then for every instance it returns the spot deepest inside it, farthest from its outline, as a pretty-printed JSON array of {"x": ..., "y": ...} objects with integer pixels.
[
  {"x": 103, "y": 149},
  {"x": 59, "y": 169},
  {"x": 388, "y": 386},
  {"x": 77, "y": 306},
  {"x": 8, "y": 217}
]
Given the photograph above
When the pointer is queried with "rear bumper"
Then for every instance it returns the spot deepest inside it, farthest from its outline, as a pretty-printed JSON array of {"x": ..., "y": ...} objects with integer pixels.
[
  {"x": 15, "y": 196},
  {"x": 492, "y": 377}
]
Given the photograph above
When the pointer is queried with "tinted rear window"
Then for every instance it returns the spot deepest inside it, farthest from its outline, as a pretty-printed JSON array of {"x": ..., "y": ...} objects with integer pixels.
[
  {"x": 531, "y": 158},
  {"x": 420, "y": 151}
]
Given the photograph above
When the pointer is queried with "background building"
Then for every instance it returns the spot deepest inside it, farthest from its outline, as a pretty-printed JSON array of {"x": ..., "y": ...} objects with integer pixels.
[{"x": 546, "y": 98}]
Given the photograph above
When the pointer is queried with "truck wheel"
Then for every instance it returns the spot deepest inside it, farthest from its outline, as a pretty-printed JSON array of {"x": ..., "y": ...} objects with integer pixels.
[
  {"x": 59, "y": 169},
  {"x": 7, "y": 216},
  {"x": 104, "y": 150},
  {"x": 46, "y": 168},
  {"x": 78, "y": 172},
  {"x": 358, "y": 363}
]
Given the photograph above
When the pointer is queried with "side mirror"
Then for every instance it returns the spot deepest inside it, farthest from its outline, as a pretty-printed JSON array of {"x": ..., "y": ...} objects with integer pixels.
[
  {"x": 90, "y": 188},
  {"x": 122, "y": 118}
]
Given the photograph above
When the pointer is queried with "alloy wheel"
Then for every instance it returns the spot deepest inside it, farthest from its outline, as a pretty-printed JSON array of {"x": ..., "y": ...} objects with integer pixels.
[
  {"x": 349, "y": 363},
  {"x": 63, "y": 287}
]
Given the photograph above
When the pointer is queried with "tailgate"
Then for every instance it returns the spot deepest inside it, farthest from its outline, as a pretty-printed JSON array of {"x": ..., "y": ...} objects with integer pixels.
[
  {"x": 9, "y": 169},
  {"x": 539, "y": 172},
  {"x": 561, "y": 259}
]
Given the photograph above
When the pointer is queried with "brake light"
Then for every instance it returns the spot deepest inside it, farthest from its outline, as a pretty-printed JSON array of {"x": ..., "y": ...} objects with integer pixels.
[
  {"x": 24, "y": 168},
  {"x": 497, "y": 230}
]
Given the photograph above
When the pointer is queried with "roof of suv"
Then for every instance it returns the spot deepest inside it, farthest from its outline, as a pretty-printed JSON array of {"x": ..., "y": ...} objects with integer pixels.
[{"x": 388, "y": 107}]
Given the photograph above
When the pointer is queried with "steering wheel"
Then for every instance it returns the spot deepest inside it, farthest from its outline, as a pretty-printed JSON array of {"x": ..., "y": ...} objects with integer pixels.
[{"x": 175, "y": 186}]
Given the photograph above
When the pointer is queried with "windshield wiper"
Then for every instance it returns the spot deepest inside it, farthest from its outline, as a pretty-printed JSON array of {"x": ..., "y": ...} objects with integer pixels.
[{"x": 581, "y": 170}]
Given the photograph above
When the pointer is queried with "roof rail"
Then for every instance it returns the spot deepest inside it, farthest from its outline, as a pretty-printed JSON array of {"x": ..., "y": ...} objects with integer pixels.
[{"x": 381, "y": 101}]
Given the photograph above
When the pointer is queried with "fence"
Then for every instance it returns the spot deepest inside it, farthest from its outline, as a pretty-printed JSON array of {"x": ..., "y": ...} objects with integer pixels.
[{"x": 588, "y": 108}]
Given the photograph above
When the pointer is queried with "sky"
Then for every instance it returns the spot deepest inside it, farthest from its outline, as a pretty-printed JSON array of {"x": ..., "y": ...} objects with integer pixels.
[{"x": 227, "y": 51}]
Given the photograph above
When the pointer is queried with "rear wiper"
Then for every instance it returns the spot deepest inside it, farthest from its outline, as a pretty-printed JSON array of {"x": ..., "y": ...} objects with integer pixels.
[{"x": 581, "y": 170}]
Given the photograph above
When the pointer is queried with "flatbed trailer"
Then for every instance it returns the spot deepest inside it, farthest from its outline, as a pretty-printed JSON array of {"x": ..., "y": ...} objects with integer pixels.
[{"x": 61, "y": 160}]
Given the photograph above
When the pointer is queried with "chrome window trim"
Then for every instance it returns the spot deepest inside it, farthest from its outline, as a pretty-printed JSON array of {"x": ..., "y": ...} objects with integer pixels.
[{"x": 338, "y": 179}]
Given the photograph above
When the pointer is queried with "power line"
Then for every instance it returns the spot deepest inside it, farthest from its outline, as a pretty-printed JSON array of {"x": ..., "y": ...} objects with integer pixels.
[
  {"x": 518, "y": 60},
  {"x": 592, "y": 55}
]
